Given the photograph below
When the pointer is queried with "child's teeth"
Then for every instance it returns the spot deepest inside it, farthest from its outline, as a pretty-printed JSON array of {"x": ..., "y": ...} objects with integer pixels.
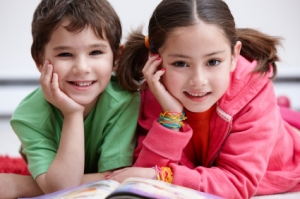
[
  {"x": 197, "y": 94},
  {"x": 83, "y": 83}
]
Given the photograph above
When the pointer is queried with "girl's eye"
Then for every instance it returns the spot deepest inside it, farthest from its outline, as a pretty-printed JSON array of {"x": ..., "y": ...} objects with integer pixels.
[
  {"x": 96, "y": 52},
  {"x": 180, "y": 64},
  {"x": 65, "y": 55},
  {"x": 213, "y": 62}
]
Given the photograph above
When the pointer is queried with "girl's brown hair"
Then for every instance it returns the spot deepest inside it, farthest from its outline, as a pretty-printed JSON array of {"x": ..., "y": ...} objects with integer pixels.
[
  {"x": 97, "y": 14},
  {"x": 172, "y": 14}
]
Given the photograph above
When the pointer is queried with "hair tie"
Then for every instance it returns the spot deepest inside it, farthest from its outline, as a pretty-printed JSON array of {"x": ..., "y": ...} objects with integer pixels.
[{"x": 147, "y": 42}]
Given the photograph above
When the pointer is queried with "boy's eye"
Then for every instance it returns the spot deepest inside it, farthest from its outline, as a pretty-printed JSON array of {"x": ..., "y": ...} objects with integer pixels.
[
  {"x": 180, "y": 64},
  {"x": 96, "y": 52},
  {"x": 64, "y": 54},
  {"x": 213, "y": 62}
]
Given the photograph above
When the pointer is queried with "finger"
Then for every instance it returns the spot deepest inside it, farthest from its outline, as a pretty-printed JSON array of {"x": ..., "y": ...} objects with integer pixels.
[
  {"x": 46, "y": 80},
  {"x": 48, "y": 74},
  {"x": 55, "y": 87},
  {"x": 152, "y": 68},
  {"x": 150, "y": 61},
  {"x": 157, "y": 76},
  {"x": 116, "y": 172},
  {"x": 43, "y": 71},
  {"x": 154, "y": 82}
]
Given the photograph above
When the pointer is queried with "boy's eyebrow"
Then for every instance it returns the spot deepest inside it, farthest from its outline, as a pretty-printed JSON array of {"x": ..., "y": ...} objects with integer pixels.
[
  {"x": 60, "y": 48},
  {"x": 99, "y": 45}
]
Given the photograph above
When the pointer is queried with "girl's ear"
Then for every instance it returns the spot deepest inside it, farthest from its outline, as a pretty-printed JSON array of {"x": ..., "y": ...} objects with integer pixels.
[
  {"x": 120, "y": 51},
  {"x": 235, "y": 55}
]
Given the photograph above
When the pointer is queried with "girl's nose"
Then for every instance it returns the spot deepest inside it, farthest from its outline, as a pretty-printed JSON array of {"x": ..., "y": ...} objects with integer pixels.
[{"x": 198, "y": 78}]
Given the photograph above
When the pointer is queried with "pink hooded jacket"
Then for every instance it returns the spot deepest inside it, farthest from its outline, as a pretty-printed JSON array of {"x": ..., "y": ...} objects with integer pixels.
[{"x": 252, "y": 150}]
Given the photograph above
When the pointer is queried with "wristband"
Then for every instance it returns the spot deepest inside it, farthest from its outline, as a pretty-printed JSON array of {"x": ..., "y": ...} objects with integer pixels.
[
  {"x": 171, "y": 120},
  {"x": 164, "y": 174}
]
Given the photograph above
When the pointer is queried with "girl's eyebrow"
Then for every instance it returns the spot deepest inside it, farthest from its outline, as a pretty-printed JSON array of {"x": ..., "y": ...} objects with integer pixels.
[
  {"x": 178, "y": 55},
  {"x": 214, "y": 53},
  {"x": 186, "y": 56}
]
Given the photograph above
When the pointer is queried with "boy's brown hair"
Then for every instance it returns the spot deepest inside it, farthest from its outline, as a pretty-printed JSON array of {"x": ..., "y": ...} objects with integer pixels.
[{"x": 97, "y": 14}]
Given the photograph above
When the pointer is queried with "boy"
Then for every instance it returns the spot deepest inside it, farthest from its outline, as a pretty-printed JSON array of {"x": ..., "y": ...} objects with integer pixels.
[{"x": 80, "y": 124}]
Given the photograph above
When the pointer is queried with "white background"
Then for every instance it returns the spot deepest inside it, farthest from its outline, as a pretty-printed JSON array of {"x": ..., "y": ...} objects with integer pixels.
[{"x": 275, "y": 17}]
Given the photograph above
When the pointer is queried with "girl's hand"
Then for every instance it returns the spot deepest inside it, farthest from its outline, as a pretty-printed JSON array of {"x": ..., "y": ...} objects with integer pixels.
[
  {"x": 52, "y": 93},
  {"x": 153, "y": 77},
  {"x": 121, "y": 174}
]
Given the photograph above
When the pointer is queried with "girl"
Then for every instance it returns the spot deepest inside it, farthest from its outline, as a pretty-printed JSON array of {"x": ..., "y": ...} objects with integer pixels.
[{"x": 209, "y": 105}]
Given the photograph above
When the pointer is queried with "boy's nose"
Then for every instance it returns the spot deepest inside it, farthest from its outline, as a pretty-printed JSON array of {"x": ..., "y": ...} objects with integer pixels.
[{"x": 81, "y": 66}]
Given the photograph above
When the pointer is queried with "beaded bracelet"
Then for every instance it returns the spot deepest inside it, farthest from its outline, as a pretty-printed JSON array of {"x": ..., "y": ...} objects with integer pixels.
[
  {"x": 163, "y": 173},
  {"x": 171, "y": 120}
]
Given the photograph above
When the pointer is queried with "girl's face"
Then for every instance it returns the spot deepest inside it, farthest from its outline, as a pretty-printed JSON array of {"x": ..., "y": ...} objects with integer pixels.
[
  {"x": 198, "y": 61},
  {"x": 82, "y": 61}
]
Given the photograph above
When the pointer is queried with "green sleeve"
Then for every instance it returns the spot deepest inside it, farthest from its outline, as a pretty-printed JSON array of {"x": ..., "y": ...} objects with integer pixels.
[{"x": 39, "y": 148}]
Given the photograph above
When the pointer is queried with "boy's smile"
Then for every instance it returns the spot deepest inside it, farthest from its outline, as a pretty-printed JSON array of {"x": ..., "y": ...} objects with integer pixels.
[{"x": 82, "y": 61}]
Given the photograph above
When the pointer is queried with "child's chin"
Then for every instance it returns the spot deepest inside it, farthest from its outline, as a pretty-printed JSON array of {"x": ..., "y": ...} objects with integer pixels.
[
  {"x": 196, "y": 109},
  {"x": 84, "y": 101}
]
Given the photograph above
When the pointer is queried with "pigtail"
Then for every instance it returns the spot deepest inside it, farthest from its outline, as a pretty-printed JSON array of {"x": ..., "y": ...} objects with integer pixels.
[
  {"x": 132, "y": 61},
  {"x": 261, "y": 47}
]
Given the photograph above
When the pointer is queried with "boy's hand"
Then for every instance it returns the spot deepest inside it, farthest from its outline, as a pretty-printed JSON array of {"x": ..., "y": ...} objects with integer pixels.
[
  {"x": 153, "y": 78},
  {"x": 121, "y": 174},
  {"x": 53, "y": 94}
]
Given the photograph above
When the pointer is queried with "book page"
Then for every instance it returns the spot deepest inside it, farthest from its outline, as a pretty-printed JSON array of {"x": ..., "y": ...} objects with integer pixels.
[
  {"x": 149, "y": 188},
  {"x": 99, "y": 189}
]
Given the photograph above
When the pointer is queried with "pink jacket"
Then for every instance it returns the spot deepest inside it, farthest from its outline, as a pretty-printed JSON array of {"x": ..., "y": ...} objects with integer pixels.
[{"x": 252, "y": 150}]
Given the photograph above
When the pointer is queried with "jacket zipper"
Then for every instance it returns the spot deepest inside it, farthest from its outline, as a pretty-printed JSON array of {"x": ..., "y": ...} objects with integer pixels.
[{"x": 220, "y": 148}]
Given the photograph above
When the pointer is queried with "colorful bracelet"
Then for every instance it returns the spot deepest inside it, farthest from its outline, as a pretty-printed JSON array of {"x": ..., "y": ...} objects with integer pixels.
[
  {"x": 171, "y": 120},
  {"x": 164, "y": 174}
]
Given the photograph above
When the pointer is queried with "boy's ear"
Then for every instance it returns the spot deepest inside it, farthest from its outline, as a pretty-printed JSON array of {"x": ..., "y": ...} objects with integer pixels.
[
  {"x": 120, "y": 51},
  {"x": 39, "y": 66},
  {"x": 235, "y": 55}
]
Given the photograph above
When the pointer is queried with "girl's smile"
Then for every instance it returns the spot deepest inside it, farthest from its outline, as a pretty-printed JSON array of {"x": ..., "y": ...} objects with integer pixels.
[
  {"x": 198, "y": 62},
  {"x": 197, "y": 97}
]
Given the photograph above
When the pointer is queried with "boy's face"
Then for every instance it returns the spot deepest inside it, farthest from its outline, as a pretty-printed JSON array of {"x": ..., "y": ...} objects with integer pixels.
[{"x": 82, "y": 61}]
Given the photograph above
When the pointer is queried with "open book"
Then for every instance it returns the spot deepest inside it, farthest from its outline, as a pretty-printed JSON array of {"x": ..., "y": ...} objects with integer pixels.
[{"x": 133, "y": 188}]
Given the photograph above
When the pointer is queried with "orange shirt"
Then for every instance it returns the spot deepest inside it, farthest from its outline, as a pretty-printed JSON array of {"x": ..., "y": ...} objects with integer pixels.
[{"x": 199, "y": 122}]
